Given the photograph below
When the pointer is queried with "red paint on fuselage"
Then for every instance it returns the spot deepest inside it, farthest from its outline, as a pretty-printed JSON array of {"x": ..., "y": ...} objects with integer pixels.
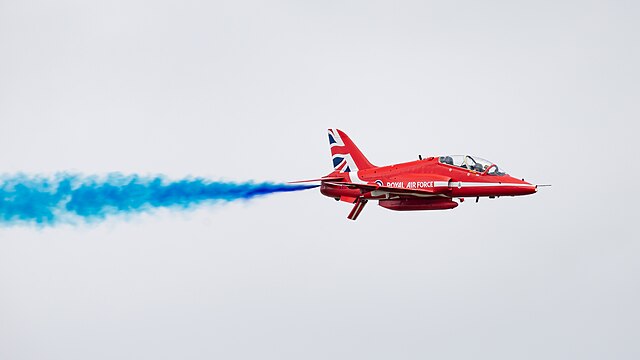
[
  {"x": 338, "y": 191},
  {"x": 431, "y": 175},
  {"x": 412, "y": 204}
]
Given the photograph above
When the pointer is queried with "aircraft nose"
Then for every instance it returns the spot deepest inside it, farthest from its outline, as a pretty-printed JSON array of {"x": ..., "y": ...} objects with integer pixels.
[
  {"x": 532, "y": 189},
  {"x": 524, "y": 188}
]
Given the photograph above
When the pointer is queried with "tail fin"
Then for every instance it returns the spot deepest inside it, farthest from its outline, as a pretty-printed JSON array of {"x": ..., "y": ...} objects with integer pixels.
[{"x": 345, "y": 154}]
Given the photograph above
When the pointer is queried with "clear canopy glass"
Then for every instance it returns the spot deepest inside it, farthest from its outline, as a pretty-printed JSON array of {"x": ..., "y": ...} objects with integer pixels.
[{"x": 472, "y": 163}]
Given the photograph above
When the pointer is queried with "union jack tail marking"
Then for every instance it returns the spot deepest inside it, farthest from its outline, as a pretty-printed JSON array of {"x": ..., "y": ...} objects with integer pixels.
[{"x": 345, "y": 154}]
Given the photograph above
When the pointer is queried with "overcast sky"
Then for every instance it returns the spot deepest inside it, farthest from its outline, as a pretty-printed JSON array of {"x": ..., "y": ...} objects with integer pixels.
[{"x": 243, "y": 90}]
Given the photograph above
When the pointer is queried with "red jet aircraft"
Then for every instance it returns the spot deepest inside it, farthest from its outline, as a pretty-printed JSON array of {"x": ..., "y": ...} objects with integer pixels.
[{"x": 425, "y": 184}]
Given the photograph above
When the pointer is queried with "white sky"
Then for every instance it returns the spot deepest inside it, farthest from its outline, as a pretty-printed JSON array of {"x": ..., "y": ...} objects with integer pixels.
[{"x": 245, "y": 90}]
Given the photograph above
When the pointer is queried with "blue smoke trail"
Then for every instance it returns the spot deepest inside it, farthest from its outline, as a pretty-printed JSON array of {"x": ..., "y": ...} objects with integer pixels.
[{"x": 68, "y": 198}]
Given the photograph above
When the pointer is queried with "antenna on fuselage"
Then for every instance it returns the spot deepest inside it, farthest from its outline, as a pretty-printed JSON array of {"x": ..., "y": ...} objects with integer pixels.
[{"x": 419, "y": 156}]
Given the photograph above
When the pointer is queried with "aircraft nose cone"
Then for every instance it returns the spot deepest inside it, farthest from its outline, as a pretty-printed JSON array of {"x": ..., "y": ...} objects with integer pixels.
[
  {"x": 524, "y": 188},
  {"x": 531, "y": 188}
]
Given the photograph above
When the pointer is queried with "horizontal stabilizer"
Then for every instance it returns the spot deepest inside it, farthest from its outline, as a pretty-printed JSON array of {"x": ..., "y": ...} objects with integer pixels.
[{"x": 338, "y": 178}]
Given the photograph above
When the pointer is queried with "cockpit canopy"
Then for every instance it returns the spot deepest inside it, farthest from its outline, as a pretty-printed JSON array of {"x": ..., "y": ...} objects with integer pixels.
[{"x": 472, "y": 163}]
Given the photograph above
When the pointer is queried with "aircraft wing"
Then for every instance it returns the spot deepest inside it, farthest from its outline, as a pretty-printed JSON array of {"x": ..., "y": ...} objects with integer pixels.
[{"x": 390, "y": 190}]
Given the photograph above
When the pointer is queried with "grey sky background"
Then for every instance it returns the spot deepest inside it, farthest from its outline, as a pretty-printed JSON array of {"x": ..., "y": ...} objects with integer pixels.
[{"x": 245, "y": 90}]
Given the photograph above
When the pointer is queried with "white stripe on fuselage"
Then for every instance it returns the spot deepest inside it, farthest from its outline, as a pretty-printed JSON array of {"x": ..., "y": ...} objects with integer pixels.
[
  {"x": 483, "y": 184},
  {"x": 436, "y": 184},
  {"x": 355, "y": 178},
  {"x": 444, "y": 184}
]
